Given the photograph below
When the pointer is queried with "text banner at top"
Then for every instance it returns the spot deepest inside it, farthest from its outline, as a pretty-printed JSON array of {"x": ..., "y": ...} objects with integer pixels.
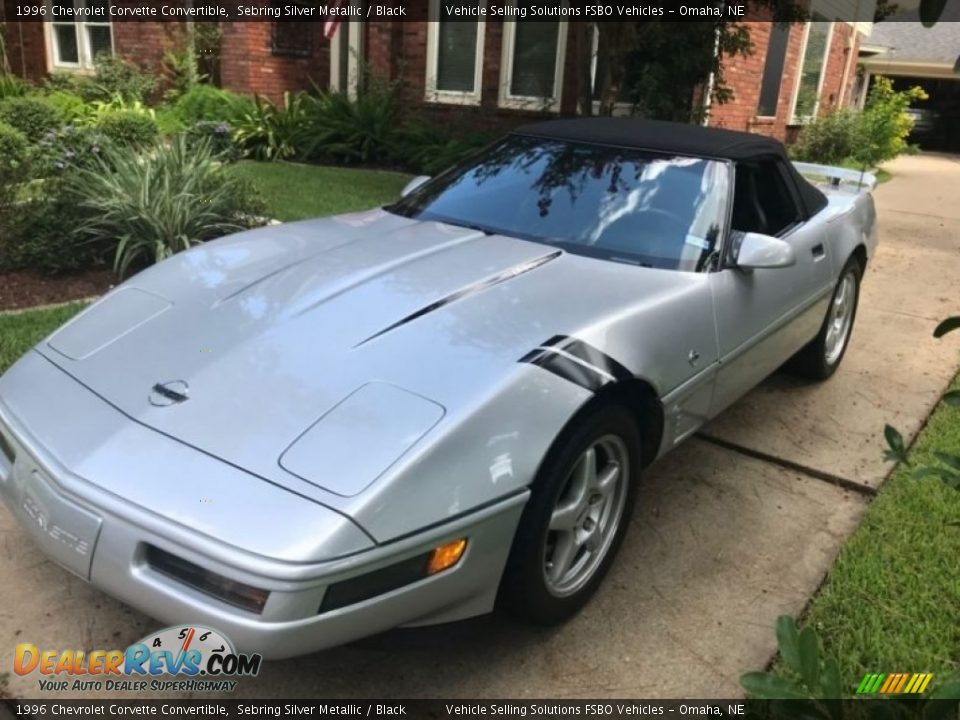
[{"x": 428, "y": 10}]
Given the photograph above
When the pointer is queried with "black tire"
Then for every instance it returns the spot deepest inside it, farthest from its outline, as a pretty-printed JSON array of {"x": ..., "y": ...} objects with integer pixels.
[
  {"x": 524, "y": 588},
  {"x": 813, "y": 361}
]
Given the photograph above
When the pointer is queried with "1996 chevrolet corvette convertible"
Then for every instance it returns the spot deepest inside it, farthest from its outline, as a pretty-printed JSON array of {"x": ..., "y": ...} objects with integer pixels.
[{"x": 308, "y": 433}]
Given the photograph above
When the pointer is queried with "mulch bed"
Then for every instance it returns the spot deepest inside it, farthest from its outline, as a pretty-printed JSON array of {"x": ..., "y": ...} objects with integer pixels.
[{"x": 23, "y": 289}]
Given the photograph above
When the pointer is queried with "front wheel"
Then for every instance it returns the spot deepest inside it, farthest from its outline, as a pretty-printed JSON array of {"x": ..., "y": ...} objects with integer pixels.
[
  {"x": 822, "y": 356},
  {"x": 578, "y": 513}
]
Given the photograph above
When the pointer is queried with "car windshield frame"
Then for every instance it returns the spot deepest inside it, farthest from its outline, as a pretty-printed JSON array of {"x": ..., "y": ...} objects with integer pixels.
[{"x": 416, "y": 205}]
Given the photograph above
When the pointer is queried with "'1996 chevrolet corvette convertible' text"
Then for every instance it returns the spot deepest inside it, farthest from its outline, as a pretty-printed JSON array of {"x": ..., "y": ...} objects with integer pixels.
[{"x": 308, "y": 433}]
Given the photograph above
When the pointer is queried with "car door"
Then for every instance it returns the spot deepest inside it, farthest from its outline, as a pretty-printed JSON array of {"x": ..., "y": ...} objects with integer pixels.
[{"x": 765, "y": 315}]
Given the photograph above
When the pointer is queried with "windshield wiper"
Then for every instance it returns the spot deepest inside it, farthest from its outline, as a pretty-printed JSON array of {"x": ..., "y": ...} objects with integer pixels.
[{"x": 470, "y": 226}]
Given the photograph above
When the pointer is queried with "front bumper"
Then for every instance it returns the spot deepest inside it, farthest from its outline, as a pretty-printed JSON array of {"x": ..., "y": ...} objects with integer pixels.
[{"x": 104, "y": 539}]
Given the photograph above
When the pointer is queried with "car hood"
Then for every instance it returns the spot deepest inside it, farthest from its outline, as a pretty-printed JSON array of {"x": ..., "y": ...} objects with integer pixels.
[{"x": 239, "y": 346}]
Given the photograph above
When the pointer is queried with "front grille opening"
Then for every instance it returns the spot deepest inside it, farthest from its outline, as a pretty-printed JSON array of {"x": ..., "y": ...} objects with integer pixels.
[
  {"x": 378, "y": 582},
  {"x": 245, "y": 597}
]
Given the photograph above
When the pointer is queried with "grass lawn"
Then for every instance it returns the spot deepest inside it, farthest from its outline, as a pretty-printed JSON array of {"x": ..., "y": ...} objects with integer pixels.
[
  {"x": 891, "y": 603},
  {"x": 20, "y": 331},
  {"x": 295, "y": 192}
]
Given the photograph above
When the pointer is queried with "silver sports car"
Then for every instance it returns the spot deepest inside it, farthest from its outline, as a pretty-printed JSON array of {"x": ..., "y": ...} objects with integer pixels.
[{"x": 308, "y": 433}]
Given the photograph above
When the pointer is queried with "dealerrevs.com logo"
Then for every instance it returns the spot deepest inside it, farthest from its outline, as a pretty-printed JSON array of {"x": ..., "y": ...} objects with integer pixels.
[{"x": 178, "y": 658}]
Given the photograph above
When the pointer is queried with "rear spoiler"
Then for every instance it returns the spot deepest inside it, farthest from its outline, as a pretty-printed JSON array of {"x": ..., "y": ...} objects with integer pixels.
[{"x": 837, "y": 177}]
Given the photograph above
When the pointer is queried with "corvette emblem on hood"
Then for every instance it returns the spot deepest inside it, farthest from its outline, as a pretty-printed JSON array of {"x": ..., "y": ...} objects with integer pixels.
[{"x": 169, "y": 393}]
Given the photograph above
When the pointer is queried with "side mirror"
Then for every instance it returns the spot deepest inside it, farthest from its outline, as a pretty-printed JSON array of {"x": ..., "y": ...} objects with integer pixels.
[
  {"x": 413, "y": 185},
  {"x": 763, "y": 251}
]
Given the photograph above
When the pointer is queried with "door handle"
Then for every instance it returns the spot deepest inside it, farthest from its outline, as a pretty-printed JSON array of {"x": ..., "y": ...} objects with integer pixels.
[{"x": 818, "y": 251}]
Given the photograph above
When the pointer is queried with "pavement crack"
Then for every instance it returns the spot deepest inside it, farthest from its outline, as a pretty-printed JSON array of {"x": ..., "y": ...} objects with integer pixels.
[
  {"x": 920, "y": 214},
  {"x": 826, "y": 477}
]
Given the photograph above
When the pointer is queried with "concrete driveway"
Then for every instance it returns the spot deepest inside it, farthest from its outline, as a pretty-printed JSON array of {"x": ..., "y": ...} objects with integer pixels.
[{"x": 735, "y": 528}]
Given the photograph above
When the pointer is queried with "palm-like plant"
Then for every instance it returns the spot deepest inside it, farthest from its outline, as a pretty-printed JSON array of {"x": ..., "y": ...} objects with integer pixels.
[
  {"x": 271, "y": 132},
  {"x": 156, "y": 204}
]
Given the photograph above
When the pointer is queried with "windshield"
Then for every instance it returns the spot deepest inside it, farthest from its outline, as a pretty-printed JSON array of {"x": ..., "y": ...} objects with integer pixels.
[{"x": 615, "y": 203}]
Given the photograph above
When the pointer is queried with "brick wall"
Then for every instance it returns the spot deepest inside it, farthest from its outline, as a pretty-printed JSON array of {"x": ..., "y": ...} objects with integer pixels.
[
  {"x": 249, "y": 64},
  {"x": 839, "y": 62},
  {"x": 396, "y": 50},
  {"x": 26, "y": 44},
  {"x": 146, "y": 43},
  {"x": 743, "y": 76}
]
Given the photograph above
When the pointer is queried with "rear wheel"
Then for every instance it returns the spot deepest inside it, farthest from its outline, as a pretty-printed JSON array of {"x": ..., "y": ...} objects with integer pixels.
[
  {"x": 822, "y": 356},
  {"x": 576, "y": 518}
]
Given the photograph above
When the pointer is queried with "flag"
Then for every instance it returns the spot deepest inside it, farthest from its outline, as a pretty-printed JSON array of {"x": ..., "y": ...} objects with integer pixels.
[{"x": 330, "y": 26}]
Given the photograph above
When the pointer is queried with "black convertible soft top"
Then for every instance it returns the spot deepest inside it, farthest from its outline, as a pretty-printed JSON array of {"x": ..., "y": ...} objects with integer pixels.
[{"x": 679, "y": 138}]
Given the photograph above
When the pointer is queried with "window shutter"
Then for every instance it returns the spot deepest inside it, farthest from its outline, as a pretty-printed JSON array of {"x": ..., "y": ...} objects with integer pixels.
[
  {"x": 456, "y": 56},
  {"x": 773, "y": 69}
]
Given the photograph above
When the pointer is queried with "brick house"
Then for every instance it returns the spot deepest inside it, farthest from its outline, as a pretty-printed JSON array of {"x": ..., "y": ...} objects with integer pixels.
[{"x": 492, "y": 71}]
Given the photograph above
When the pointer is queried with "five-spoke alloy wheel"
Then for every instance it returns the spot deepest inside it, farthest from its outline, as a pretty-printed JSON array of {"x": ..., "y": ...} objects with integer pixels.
[
  {"x": 578, "y": 513},
  {"x": 586, "y": 516},
  {"x": 822, "y": 356}
]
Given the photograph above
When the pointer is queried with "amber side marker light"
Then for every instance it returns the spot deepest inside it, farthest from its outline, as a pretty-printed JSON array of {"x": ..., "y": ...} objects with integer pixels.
[
  {"x": 446, "y": 556},
  {"x": 392, "y": 577}
]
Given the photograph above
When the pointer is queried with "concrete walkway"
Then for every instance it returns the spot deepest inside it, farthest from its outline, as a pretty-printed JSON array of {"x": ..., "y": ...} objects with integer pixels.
[{"x": 722, "y": 542}]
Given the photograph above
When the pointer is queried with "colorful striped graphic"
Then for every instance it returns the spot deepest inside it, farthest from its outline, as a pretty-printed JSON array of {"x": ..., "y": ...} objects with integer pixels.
[{"x": 894, "y": 683}]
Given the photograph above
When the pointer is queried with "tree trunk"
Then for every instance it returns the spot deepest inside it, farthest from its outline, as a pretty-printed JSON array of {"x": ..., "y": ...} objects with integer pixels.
[
  {"x": 613, "y": 45},
  {"x": 583, "y": 36}
]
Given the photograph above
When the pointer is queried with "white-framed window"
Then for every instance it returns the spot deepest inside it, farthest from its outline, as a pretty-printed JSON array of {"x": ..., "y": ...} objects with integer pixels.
[
  {"x": 454, "y": 59},
  {"x": 75, "y": 43},
  {"x": 813, "y": 61},
  {"x": 531, "y": 66},
  {"x": 346, "y": 51}
]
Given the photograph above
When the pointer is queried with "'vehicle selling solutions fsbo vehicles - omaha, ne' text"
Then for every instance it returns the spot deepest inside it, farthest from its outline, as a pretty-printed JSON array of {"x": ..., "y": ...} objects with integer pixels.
[{"x": 308, "y": 433}]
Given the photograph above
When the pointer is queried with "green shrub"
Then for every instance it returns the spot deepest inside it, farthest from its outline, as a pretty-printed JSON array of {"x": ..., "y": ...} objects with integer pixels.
[
  {"x": 361, "y": 129},
  {"x": 872, "y": 136},
  {"x": 12, "y": 86},
  {"x": 14, "y": 170},
  {"x": 46, "y": 240},
  {"x": 37, "y": 234},
  {"x": 112, "y": 76},
  {"x": 153, "y": 205},
  {"x": 73, "y": 146},
  {"x": 169, "y": 121},
  {"x": 13, "y": 149},
  {"x": 115, "y": 76},
  {"x": 830, "y": 139},
  {"x": 219, "y": 137},
  {"x": 426, "y": 148},
  {"x": 270, "y": 132},
  {"x": 30, "y": 115},
  {"x": 128, "y": 127},
  {"x": 70, "y": 107},
  {"x": 885, "y": 125},
  {"x": 208, "y": 103},
  {"x": 80, "y": 85}
]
